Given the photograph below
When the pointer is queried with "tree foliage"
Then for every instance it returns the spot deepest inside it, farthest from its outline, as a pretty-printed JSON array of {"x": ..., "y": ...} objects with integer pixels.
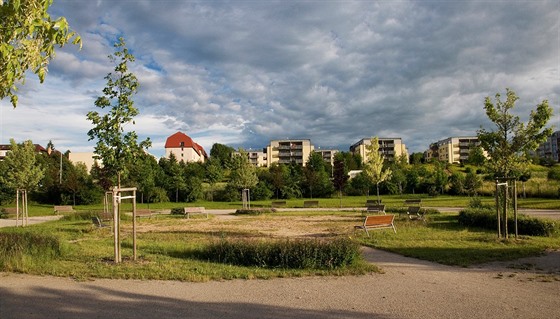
[
  {"x": 508, "y": 145},
  {"x": 28, "y": 37},
  {"x": 115, "y": 147},
  {"x": 374, "y": 166},
  {"x": 20, "y": 169}
]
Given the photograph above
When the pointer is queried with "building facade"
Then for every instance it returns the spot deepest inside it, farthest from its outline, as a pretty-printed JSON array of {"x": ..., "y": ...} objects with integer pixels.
[
  {"x": 453, "y": 150},
  {"x": 184, "y": 148},
  {"x": 288, "y": 151},
  {"x": 391, "y": 148},
  {"x": 549, "y": 149},
  {"x": 327, "y": 155}
]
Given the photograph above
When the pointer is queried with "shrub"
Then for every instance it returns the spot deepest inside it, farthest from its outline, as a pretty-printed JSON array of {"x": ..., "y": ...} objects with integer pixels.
[
  {"x": 293, "y": 254},
  {"x": 486, "y": 218},
  {"x": 259, "y": 211}
]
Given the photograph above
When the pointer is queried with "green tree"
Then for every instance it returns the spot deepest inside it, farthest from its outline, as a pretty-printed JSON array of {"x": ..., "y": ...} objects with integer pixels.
[
  {"x": 340, "y": 176},
  {"x": 115, "y": 147},
  {"x": 28, "y": 37},
  {"x": 214, "y": 173},
  {"x": 374, "y": 166},
  {"x": 20, "y": 167},
  {"x": 243, "y": 174},
  {"x": 223, "y": 153},
  {"x": 472, "y": 183},
  {"x": 508, "y": 145},
  {"x": 476, "y": 156}
]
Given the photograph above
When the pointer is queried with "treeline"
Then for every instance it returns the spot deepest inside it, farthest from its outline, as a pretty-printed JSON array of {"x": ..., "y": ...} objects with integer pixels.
[{"x": 224, "y": 175}]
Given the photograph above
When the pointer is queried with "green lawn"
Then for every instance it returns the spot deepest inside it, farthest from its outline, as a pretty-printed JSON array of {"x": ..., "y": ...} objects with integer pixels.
[{"x": 167, "y": 245}]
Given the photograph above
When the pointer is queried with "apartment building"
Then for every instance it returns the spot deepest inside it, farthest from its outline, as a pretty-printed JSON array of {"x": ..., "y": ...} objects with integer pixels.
[
  {"x": 257, "y": 158},
  {"x": 327, "y": 155},
  {"x": 5, "y": 149},
  {"x": 452, "y": 149},
  {"x": 184, "y": 148},
  {"x": 288, "y": 151},
  {"x": 549, "y": 149},
  {"x": 391, "y": 148}
]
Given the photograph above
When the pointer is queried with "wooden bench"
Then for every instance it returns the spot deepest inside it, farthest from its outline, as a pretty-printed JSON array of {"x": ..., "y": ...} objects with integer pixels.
[
  {"x": 144, "y": 213},
  {"x": 311, "y": 203},
  {"x": 412, "y": 202},
  {"x": 63, "y": 209},
  {"x": 377, "y": 222},
  {"x": 375, "y": 209},
  {"x": 278, "y": 203},
  {"x": 194, "y": 210}
]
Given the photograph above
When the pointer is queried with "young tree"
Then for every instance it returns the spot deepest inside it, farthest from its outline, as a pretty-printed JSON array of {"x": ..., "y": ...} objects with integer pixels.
[
  {"x": 28, "y": 37},
  {"x": 373, "y": 167},
  {"x": 20, "y": 167},
  {"x": 115, "y": 147},
  {"x": 508, "y": 144},
  {"x": 243, "y": 174}
]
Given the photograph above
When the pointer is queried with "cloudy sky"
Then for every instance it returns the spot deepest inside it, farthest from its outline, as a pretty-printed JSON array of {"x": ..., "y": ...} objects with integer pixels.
[{"x": 242, "y": 73}]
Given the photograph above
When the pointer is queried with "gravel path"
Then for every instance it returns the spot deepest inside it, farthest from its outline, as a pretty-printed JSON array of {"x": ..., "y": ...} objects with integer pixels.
[{"x": 409, "y": 288}]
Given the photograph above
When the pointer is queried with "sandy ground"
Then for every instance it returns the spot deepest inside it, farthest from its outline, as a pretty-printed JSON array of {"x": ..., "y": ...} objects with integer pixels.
[{"x": 408, "y": 288}]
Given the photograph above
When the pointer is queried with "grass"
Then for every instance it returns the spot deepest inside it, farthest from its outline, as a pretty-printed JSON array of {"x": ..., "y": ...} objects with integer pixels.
[
  {"x": 169, "y": 246},
  {"x": 347, "y": 202},
  {"x": 444, "y": 241}
]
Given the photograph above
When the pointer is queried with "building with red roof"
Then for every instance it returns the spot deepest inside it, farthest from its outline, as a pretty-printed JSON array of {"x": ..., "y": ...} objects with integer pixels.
[{"x": 184, "y": 148}]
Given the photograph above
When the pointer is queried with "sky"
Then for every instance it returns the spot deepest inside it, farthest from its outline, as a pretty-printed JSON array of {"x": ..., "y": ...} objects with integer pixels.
[{"x": 242, "y": 73}]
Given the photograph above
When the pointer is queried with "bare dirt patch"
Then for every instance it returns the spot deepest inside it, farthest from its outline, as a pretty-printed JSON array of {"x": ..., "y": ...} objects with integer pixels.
[{"x": 262, "y": 225}]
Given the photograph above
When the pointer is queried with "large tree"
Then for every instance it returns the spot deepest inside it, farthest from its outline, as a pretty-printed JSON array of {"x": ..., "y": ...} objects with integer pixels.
[
  {"x": 28, "y": 37},
  {"x": 507, "y": 146},
  {"x": 116, "y": 148},
  {"x": 374, "y": 166}
]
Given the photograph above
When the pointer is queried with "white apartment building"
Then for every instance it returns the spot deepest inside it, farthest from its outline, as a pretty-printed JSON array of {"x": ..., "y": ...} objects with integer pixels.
[
  {"x": 391, "y": 148},
  {"x": 184, "y": 148},
  {"x": 288, "y": 151},
  {"x": 452, "y": 149}
]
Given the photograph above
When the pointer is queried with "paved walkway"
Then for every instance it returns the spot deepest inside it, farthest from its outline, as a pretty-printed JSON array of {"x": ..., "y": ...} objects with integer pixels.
[{"x": 409, "y": 288}]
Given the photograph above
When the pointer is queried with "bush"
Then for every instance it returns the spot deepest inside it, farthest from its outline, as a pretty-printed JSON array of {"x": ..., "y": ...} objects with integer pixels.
[
  {"x": 259, "y": 211},
  {"x": 292, "y": 254},
  {"x": 486, "y": 218}
]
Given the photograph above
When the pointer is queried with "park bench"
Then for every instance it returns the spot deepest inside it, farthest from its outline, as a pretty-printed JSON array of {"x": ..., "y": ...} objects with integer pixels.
[
  {"x": 371, "y": 202},
  {"x": 377, "y": 222},
  {"x": 194, "y": 210},
  {"x": 375, "y": 209},
  {"x": 144, "y": 213},
  {"x": 97, "y": 222},
  {"x": 63, "y": 209},
  {"x": 412, "y": 202},
  {"x": 311, "y": 203},
  {"x": 9, "y": 211},
  {"x": 415, "y": 212},
  {"x": 278, "y": 203}
]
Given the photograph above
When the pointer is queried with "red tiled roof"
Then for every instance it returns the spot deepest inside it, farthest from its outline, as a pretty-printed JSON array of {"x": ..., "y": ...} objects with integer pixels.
[{"x": 174, "y": 141}]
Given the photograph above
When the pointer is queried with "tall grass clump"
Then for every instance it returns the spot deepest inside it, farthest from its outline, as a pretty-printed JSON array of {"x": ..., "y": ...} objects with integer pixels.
[
  {"x": 18, "y": 251},
  {"x": 486, "y": 218},
  {"x": 285, "y": 254}
]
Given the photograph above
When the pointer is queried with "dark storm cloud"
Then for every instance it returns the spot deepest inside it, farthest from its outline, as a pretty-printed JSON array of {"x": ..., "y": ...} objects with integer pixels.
[{"x": 246, "y": 72}]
